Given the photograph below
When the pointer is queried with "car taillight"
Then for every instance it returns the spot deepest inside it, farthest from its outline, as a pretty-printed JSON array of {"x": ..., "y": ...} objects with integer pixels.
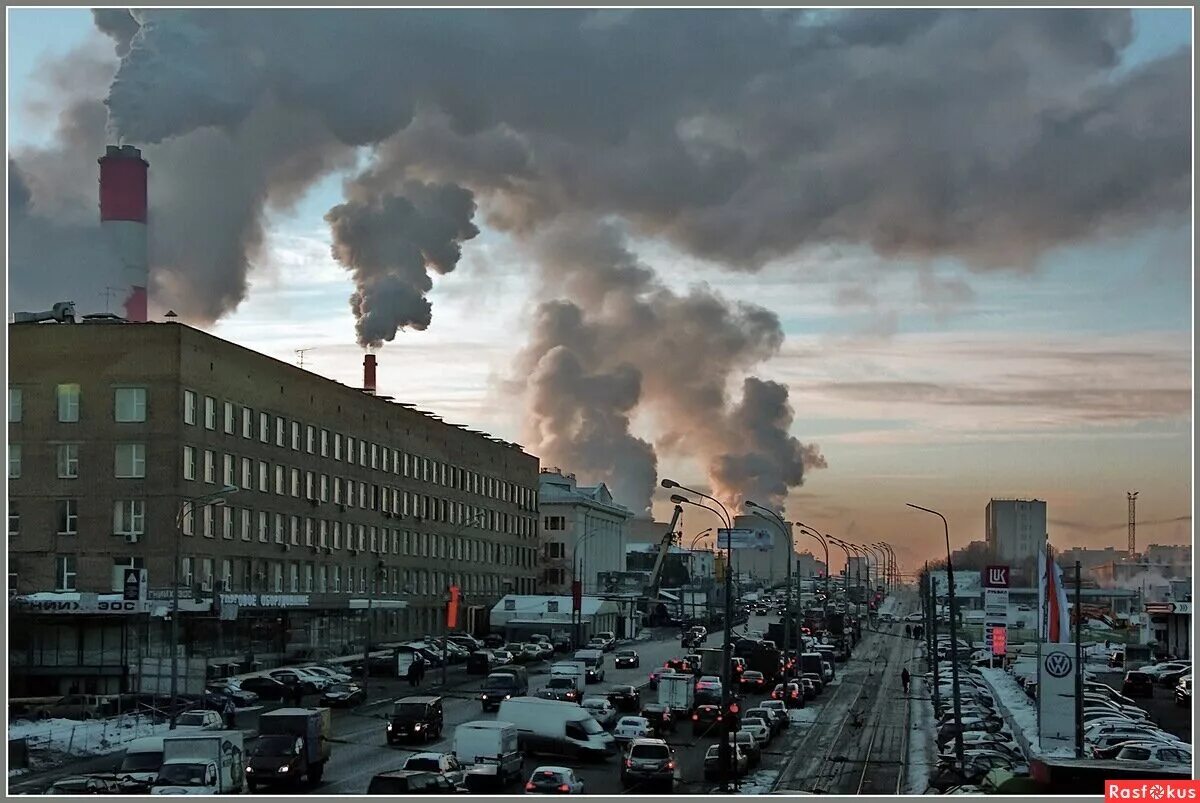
[
  {"x": 564, "y": 788},
  {"x": 695, "y": 717},
  {"x": 628, "y": 763},
  {"x": 670, "y": 765},
  {"x": 529, "y": 786}
]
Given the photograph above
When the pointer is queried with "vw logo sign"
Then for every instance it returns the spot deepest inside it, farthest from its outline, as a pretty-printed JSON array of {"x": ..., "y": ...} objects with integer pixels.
[{"x": 1059, "y": 664}]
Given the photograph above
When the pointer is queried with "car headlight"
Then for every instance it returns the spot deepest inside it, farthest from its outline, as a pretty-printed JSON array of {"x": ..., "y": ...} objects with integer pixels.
[
  {"x": 417, "y": 727},
  {"x": 389, "y": 726},
  {"x": 508, "y": 697},
  {"x": 284, "y": 768},
  {"x": 249, "y": 769}
]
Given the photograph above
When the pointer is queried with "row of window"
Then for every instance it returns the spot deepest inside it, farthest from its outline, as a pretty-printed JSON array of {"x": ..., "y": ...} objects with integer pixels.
[
  {"x": 129, "y": 461},
  {"x": 280, "y": 577},
  {"x": 129, "y": 404},
  {"x": 129, "y": 518},
  {"x": 314, "y": 440},
  {"x": 289, "y": 481}
]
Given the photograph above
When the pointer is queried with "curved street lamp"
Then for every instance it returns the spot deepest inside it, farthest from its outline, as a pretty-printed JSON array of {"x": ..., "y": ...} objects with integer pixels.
[
  {"x": 775, "y": 518},
  {"x": 821, "y": 538},
  {"x": 726, "y": 679}
]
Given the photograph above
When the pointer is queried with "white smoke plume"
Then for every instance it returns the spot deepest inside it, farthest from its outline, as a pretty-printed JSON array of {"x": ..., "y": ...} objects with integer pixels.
[{"x": 736, "y": 136}]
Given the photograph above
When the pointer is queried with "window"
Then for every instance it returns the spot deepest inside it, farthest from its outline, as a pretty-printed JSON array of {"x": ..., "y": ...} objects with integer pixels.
[
  {"x": 189, "y": 520},
  {"x": 206, "y": 521},
  {"x": 263, "y": 525},
  {"x": 14, "y": 461},
  {"x": 247, "y": 422},
  {"x": 68, "y": 403},
  {"x": 321, "y": 587},
  {"x": 264, "y": 477},
  {"x": 129, "y": 405},
  {"x": 227, "y": 473},
  {"x": 244, "y": 524},
  {"x": 308, "y": 578},
  {"x": 309, "y": 438},
  {"x": 68, "y": 461},
  {"x": 279, "y": 431},
  {"x": 131, "y": 460},
  {"x": 293, "y": 577},
  {"x": 308, "y": 532},
  {"x": 226, "y": 575},
  {"x": 337, "y": 578},
  {"x": 295, "y": 482},
  {"x": 295, "y": 436},
  {"x": 554, "y": 523},
  {"x": 210, "y": 468},
  {"x": 324, "y": 443},
  {"x": 337, "y": 446},
  {"x": 247, "y": 473},
  {"x": 279, "y": 489},
  {"x": 14, "y": 518},
  {"x": 227, "y": 522},
  {"x": 230, "y": 419},
  {"x": 264, "y": 427},
  {"x": 14, "y": 405},
  {"x": 349, "y": 450},
  {"x": 294, "y": 530},
  {"x": 278, "y": 529},
  {"x": 189, "y": 407},
  {"x": 129, "y": 517},
  {"x": 324, "y": 487},
  {"x": 362, "y": 453},
  {"x": 210, "y": 412},
  {"x": 64, "y": 572}
]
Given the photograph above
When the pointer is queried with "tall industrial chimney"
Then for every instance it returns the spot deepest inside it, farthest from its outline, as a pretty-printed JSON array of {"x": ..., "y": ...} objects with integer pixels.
[
  {"x": 369, "y": 373},
  {"x": 123, "y": 196}
]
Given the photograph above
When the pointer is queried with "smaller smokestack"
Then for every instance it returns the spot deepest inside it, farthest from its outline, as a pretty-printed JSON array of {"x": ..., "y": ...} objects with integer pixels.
[{"x": 369, "y": 373}]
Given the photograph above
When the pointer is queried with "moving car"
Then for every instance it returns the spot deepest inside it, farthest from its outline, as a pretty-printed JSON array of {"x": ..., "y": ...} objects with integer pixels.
[
  {"x": 706, "y": 720},
  {"x": 625, "y": 698},
  {"x": 419, "y": 717},
  {"x": 647, "y": 762},
  {"x": 609, "y": 638},
  {"x": 760, "y": 730},
  {"x": 344, "y": 695},
  {"x": 768, "y": 718},
  {"x": 594, "y": 664},
  {"x": 626, "y": 658},
  {"x": 444, "y": 764},
  {"x": 601, "y": 710},
  {"x": 548, "y": 726},
  {"x": 740, "y": 763},
  {"x": 750, "y": 745},
  {"x": 752, "y": 681},
  {"x": 660, "y": 717},
  {"x": 554, "y": 781},
  {"x": 1138, "y": 684},
  {"x": 500, "y": 657},
  {"x": 779, "y": 709},
  {"x": 409, "y": 782},
  {"x": 628, "y": 728}
]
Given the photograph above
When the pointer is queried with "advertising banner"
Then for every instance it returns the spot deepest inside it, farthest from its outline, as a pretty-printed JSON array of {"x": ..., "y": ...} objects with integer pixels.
[
  {"x": 744, "y": 538},
  {"x": 1056, "y": 697}
]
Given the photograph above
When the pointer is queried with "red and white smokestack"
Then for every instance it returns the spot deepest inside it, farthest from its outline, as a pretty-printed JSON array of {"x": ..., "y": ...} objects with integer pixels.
[
  {"x": 369, "y": 373},
  {"x": 123, "y": 196}
]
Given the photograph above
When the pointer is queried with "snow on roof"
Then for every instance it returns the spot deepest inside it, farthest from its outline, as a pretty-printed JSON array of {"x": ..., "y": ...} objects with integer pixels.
[{"x": 524, "y": 606}]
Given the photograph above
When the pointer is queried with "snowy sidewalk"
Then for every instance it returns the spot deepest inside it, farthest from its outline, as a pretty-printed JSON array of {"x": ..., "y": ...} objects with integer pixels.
[
  {"x": 69, "y": 737},
  {"x": 921, "y": 760}
]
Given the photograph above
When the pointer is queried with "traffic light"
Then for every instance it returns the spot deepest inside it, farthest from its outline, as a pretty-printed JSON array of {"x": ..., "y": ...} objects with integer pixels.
[
  {"x": 733, "y": 720},
  {"x": 452, "y": 607}
]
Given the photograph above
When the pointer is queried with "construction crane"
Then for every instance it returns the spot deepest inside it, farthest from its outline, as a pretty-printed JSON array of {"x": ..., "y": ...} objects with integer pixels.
[{"x": 664, "y": 548}]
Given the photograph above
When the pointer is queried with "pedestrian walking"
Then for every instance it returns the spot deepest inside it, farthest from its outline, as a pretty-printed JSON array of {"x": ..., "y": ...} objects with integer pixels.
[
  {"x": 297, "y": 694},
  {"x": 908, "y": 631},
  {"x": 413, "y": 670},
  {"x": 420, "y": 671},
  {"x": 905, "y": 678},
  {"x": 230, "y": 714}
]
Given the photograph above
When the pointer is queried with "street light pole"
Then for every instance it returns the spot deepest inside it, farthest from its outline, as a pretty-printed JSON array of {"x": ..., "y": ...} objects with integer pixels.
[
  {"x": 191, "y": 504},
  {"x": 958, "y": 735},
  {"x": 726, "y": 673},
  {"x": 783, "y": 529},
  {"x": 446, "y": 624}
]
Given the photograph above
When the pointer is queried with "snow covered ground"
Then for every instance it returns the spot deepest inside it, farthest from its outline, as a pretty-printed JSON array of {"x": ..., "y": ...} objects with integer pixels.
[
  {"x": 91, "y": 738},
  {"x": 1020, "y": 713},
  {"x": 922, "y": 740},
  {"x": 759, "y": 783}
]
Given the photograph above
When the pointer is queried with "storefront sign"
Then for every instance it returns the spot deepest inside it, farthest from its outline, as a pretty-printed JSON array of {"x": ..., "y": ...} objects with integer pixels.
[
  {"x": 744, "y": 538},
  {"x": 81, "y": 606},
  {"x": 1056, "y": 696},
  {"x": 995, "y": 577},
  {"x": 266, "y": 600}
]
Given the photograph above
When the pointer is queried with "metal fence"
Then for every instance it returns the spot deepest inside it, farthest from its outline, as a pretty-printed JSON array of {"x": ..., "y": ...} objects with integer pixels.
[{"x": 90, "y": 737}]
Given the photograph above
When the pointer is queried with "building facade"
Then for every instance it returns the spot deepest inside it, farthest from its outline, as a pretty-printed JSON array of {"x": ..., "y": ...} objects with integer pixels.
[
  {"x": 1015, "y": 529},
  {"x": 767, "y": 566},
  {"x": 582, "y": 531},
  {"x": 344, "y": 500}
]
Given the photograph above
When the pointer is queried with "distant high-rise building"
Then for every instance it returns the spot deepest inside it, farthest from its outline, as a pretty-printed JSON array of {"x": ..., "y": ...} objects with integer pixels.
[{"x": 1015, "y": 529}]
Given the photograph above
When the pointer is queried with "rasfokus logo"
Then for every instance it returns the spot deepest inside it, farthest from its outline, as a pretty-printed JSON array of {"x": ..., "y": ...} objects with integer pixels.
[{"x": 1151, "y": 790}]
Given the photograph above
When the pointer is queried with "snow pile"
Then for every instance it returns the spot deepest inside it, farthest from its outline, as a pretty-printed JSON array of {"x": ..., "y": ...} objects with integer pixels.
[
  {"x": 804, "y": 716},
  {"x": 1020, "y": 713},
  {"x": 759, "y": 783},
  {"x": 88, "y": 738},
  {"x": 922, "y": 740}
]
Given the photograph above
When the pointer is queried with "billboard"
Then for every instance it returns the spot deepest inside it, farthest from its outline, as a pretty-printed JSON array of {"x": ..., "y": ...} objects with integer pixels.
[
  {"x": 744, "y": 538},
  {"x": 1056, "y": 697}
]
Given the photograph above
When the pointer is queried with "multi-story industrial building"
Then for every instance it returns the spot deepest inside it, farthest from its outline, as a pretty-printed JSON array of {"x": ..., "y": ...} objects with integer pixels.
[
  {"x": 582, "y": 530},
  {"x": 345, "y": 501},
  {"x": 1015, "y": 529}
]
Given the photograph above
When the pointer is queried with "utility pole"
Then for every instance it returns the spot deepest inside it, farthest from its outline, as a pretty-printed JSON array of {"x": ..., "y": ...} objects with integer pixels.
[
  {"x": 1131, "y": 497},
  {"x": 1078, "y": 664}
]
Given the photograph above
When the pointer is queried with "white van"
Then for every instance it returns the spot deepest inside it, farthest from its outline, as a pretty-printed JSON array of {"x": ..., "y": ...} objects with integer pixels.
[
  {"x": 142, "y": 759},
  {"x": 556, "y": 728},
  {"x": 576, "y": 670}
]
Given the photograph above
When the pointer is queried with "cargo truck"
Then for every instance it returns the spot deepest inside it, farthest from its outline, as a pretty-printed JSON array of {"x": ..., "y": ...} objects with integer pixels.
[
  {"x": 677, "y": 691},
  {"x": 292, "y": 747},
  {"x": 488, "y": 748},
  {"x": 202, "y": 764},
  {"x": 712, "y": 660}
]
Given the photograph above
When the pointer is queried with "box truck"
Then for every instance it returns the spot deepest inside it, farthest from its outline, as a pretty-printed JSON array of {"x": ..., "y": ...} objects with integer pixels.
[
  {"x": 211, "y": 763},
  {"x": 489, "y": 751},
  {"x": 293, "y": 746},
  {"x": 677, "y": 691}
]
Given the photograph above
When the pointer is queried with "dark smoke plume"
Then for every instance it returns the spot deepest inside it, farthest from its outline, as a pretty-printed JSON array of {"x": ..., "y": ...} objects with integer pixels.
[{"x": 739, "y": 137}]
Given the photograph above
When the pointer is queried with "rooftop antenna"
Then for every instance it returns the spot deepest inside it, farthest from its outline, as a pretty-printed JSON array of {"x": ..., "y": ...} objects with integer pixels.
[
  {"x": 108, "y": 293},
  {"x": 301, "y": 352}
]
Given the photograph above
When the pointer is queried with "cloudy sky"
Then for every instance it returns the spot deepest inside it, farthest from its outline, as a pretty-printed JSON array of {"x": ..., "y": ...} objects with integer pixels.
[{"x": 940, "y": 331}]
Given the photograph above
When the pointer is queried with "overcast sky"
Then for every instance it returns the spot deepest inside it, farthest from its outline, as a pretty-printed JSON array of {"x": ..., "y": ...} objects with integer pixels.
[{"x": 921, "y": 378}]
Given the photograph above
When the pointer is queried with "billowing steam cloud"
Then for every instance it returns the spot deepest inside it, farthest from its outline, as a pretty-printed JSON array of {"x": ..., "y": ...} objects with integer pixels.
[{"x": 736, "y": 136}]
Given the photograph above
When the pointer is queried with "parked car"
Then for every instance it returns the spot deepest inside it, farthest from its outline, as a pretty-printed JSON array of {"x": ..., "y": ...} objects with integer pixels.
[
  {"x": 596, "y": 644},
  {"x": 338, "y": 675},
  {"x": 609, "y": 638},
  {"x": 749, "y": 744},
  {"x": 628, "y": 728},
  {"x": 1108, "y": 748},
  {"x": 778, "y": 708},
  {"x": 768, "y": 718},
  {"x": 625, "y": 658},
  {"x": 554, "y": 781},
  {"x": 1162, "y": 754},
  {"x": 232, "y": 688},
  {"x": 1183, "y": 691},
  {"x": 200, "y": 719},
  {"x": 1138, "y": 684},
  {"x": 649, "y": 761},
  {"x": 601, "y": 710},
  {"x": 293, "y": 679},
  {"x": 532, "y": 652},
  {"x": 502, "y": 657},
  {"x": 343, "y": 695}
]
